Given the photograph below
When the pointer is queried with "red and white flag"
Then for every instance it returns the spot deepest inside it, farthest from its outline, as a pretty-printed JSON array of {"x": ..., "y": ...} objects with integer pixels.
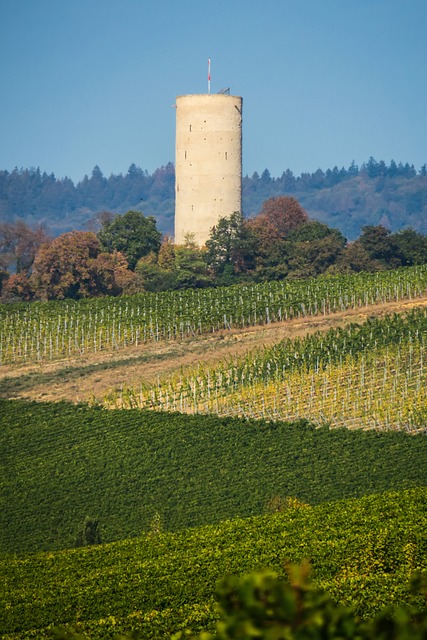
[{"x": 209, "y": 75}]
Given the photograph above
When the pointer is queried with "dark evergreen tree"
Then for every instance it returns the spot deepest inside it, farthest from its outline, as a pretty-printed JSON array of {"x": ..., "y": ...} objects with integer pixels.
[
  {"x": 89, "y": 533},
  {"x": 287, "y": 181}
]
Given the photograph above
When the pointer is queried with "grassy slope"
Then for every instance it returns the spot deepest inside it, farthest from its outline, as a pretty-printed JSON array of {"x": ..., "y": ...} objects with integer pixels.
[
  {"x": 361, "y": 551},
  {"x": 62, "y": 462}
]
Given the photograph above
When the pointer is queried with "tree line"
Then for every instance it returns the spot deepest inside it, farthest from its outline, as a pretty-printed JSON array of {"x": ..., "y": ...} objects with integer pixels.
[
  {"x": 32, "y": 195},
  {"x": 127, "y": 254},
  {"x": 393, "y": 194}
]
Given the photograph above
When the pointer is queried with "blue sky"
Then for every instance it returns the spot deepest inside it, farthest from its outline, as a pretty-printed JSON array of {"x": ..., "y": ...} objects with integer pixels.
[{"x": 324, "y": 82}]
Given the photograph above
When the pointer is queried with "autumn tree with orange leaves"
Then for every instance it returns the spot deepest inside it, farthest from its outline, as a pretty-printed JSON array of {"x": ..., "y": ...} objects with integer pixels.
[
  {"x": 74, "y": 266},
  {"x": 19, "y": 244},
  {"x": 282, "y": 214},
  {"x": 277, "y": 218}
]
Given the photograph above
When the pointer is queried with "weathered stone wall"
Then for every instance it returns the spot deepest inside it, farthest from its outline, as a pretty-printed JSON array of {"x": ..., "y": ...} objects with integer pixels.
[{"x": 208, "y": 164}]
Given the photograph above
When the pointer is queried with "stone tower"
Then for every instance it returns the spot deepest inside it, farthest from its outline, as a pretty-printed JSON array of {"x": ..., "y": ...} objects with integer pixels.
[{"x": 208, "y": 163}]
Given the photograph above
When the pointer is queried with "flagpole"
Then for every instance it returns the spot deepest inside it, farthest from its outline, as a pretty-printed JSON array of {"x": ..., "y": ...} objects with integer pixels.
[{"x": 209, "y": 75}]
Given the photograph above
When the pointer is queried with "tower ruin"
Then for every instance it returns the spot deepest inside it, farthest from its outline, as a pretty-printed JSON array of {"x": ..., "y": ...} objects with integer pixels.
[{"x": 208, "y": 162}]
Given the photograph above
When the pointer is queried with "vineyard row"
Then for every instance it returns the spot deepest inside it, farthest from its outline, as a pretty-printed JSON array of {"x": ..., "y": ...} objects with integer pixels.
[
  {"x": 51, "y": 330},
  {"x": 372, "y": 376}
]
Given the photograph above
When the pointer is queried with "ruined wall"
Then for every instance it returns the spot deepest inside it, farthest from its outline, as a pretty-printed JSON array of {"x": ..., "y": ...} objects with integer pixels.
[{"x": 208, "y": 164}]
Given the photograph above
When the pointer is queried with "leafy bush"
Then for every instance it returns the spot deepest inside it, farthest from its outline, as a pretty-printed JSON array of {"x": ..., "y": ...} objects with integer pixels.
[{"x": 261, "y": 605}]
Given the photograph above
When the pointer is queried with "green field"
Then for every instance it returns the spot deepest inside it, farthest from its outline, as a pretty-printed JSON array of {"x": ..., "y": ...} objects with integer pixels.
[
  {"x": 63, "y": 462},
  {"x": 362, "y": 552}
]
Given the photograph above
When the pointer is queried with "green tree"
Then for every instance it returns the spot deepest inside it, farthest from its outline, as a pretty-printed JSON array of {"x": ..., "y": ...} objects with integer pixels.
[
  {"x": 307, "y": 249},
  {"x": 4, "y": 276},
  {"x": 132, "y": 234},
  {"x": 411, "y": 247},
  {"x": 175, "y": 267},
  {"x": 230, "y": 247},
  {"x": 191, "y": 270},
  {"x": 314, "y": 230},
  {"x": 153, "y": 276},
  {"x": 353, "y": 259},
  {"x": 312, "y": 248},
  {"x": 380, "y": 245},
  {"x": 261, "y": 605},
  {"x": 166, "y": 256}
]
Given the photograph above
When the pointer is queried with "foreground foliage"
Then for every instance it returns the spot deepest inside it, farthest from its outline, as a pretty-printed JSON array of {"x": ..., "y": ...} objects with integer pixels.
[
  {"x": 62, "y": 463},
  {"x": 362, "y": 553},
  {"x": 261, "y": 605}
]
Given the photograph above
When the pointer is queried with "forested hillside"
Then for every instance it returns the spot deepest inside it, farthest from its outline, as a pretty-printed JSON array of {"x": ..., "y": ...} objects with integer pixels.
[{"x": 393, "y": 195}]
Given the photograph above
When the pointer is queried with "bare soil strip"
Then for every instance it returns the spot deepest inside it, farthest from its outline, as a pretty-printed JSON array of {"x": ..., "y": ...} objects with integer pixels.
[{"x": 92, "y": 375}]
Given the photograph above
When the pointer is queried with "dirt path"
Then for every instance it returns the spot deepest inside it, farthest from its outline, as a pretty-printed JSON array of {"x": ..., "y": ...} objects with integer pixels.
[{"x": 92, "y": 375}]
